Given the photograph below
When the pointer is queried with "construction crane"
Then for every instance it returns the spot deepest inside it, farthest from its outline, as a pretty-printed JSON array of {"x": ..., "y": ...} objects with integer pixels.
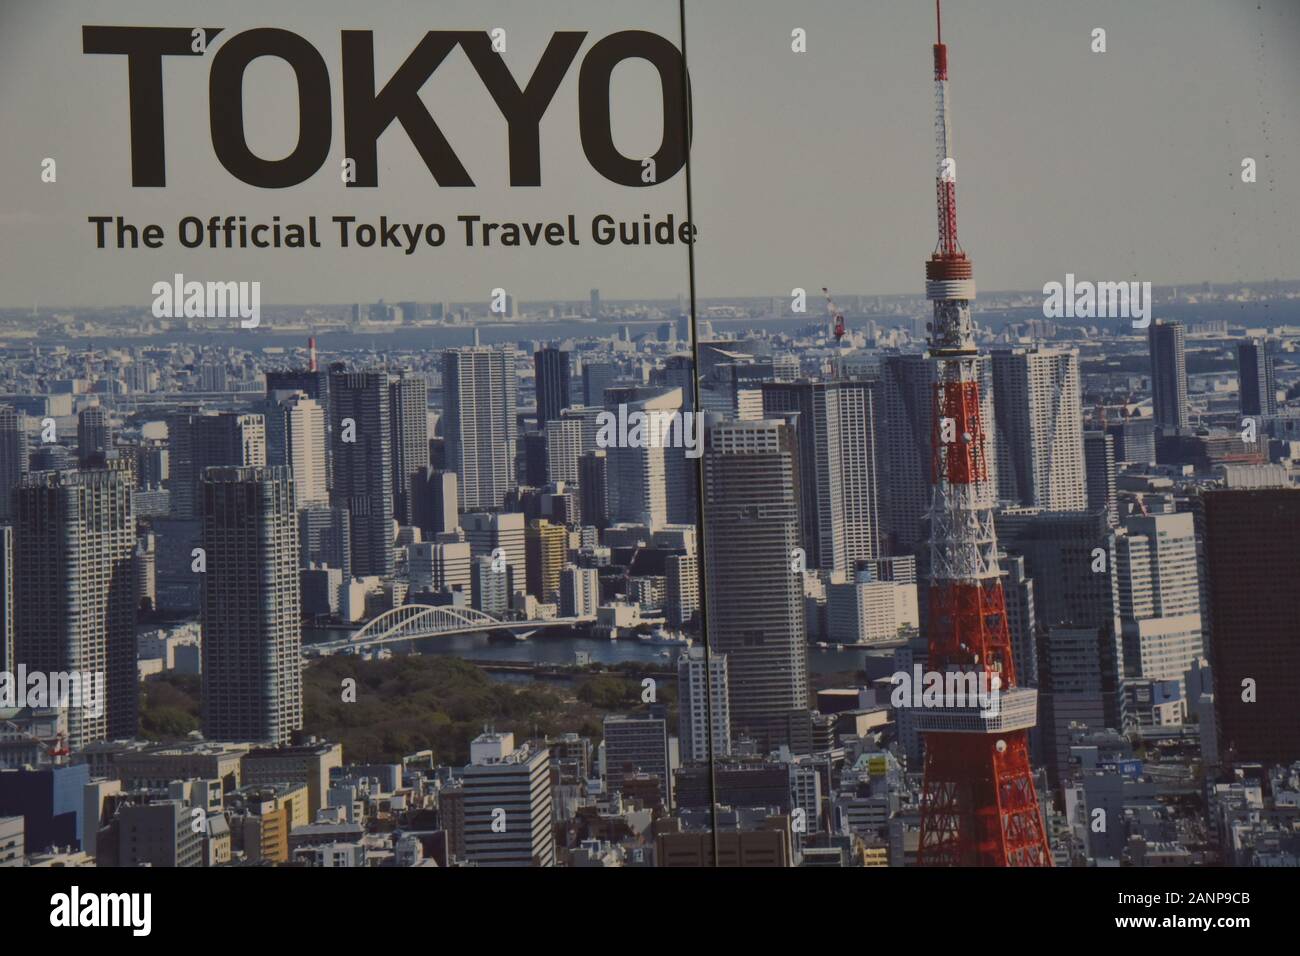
[{"x": 836, "y": 315}]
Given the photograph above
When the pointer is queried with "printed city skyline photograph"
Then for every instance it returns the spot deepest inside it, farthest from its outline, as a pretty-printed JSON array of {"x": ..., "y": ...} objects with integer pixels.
[{"x": 665, "y": 435}]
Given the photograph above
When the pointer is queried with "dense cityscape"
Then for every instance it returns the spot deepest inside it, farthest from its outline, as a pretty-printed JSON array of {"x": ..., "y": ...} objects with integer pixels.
[
  {"x": 817, "y": 579},
  {"x": 250, "y": 541}
]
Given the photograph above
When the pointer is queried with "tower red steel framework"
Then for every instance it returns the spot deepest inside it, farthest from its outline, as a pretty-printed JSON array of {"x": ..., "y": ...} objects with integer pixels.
[{"x": 978, "y": 806}]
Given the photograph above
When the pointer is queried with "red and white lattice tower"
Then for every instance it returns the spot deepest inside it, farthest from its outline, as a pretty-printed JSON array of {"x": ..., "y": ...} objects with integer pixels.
[{"x": 978, "y": 805}]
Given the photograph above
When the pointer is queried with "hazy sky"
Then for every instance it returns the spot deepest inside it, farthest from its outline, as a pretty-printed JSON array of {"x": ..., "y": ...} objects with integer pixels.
[{"x": 808, "y": 168}]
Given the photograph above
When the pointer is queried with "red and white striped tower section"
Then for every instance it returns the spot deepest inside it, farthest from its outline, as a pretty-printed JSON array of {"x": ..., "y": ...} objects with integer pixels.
[{"x": 978, "y": 805}]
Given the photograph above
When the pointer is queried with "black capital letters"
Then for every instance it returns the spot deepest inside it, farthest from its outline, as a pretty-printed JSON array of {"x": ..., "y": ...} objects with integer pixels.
[
  {"x": 523, "y": 109},
  {"x": 593, "y": 106},
  {"x": 367, "y": 114},
  {"x": 226, "y": 108},
  {"x": 144, "y": 48}
]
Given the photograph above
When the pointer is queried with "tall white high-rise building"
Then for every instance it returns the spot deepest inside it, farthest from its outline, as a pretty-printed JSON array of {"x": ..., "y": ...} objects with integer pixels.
[
  {"x": 650, "y": 481},
  {"x": 1159, "y": 596},
  {"x": 564, "y": 447},
  {"x": 681, "y": 588},
  {"x": 480, "y": 389},
  {"x": 1036, "y": 397},
  {"x": 304, "y": 449},
  {"x": 838, "y": 468},
  {"x": 704, "y": 714}
]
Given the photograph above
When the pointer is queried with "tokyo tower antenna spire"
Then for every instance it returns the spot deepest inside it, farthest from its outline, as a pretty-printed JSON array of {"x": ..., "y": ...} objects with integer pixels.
[{"x": 978, "y": 803}]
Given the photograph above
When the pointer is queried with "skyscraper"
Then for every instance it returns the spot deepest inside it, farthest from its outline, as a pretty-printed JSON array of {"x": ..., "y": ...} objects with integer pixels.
[
  {"x": 1061, "y": 551},
  {"x": 434, "y": 501},
  {"x": 314, "y": 383},
  {"x": 408, "y": 402},
  {"x": 1022, "y": 617},
  {"x": 650, "y": 482},
  {"x": 1252, "y": 565},
  {"x": 836, "y": 432},
  {"x": 1071, "y": 559},
  {"x": 593, "y": 472},
  {"x": 202, "y": 440},
  {"x": 1159, "y": 596},
  {"x": 479, "y": 399},
  {"x": 1080, "y": 683},
  {"x": 551, "y": 369},
  {"x": 531, "y": 449},
  {"x": 564, "y": 447},
  {"x": 703, "y": 716},
  {"x": 1040, "y": 421},
  {"x": 75, "y": 590},
  {"x": 681, "y": 588},
  {"x": 1169, "y": 373},
  {"x": 252, "y": 638},
  {"x": 1255, "y": 379},
  {"x": 363, "y": 459},
  {"x": 7, "y": 659},
  {"x": 1099, "y": 463},
  {"x": 295, "y": 439},
  {"x": 94, "y": 436},
  {"x": 13, "y": 456},
  {"x": 755, "y": 597}
]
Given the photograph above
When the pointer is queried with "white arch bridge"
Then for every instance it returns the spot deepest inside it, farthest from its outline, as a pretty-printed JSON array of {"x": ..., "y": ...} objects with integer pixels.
[{"x": 414, "y": 622}]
